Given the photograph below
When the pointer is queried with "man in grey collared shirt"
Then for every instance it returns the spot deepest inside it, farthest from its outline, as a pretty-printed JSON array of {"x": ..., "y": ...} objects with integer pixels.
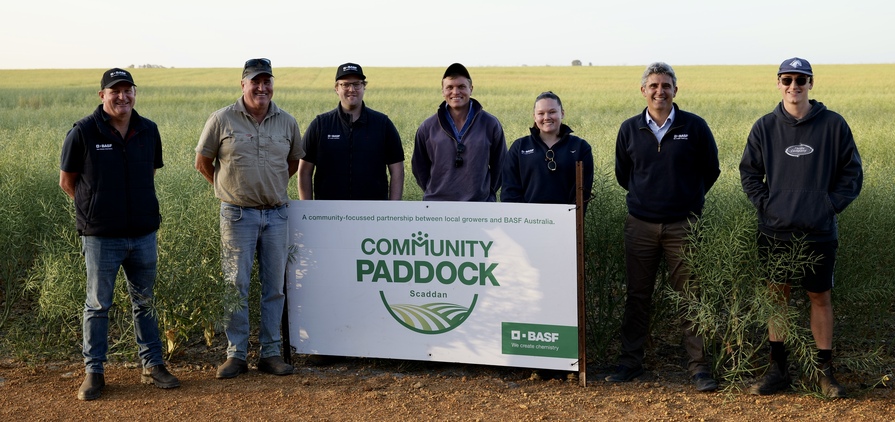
[{"x": 248, "y": 151}]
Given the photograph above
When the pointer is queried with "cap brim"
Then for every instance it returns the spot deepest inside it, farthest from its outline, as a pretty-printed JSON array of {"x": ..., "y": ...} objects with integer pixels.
[
  {"x": 253, "y": 75},
  {"x": 795, "y": 71},
  {"x": 118, "y": 81}
]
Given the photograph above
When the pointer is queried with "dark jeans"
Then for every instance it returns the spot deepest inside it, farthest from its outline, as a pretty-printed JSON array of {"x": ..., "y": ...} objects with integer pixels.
[{"x": 645, "y": 246}]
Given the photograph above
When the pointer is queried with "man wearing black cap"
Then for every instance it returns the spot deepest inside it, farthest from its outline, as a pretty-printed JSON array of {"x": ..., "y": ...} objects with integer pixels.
[
  {"x": 352, "y": 152},
  {"x": 800, "y": 169},
  {"x": 108, "y": 167},
  {"x": 458, "y": 152},
  {"x": 248, "y": 151}
]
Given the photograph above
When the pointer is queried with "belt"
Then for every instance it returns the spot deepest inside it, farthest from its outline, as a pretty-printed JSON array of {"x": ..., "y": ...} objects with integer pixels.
[{"x": 266, "y": 207}]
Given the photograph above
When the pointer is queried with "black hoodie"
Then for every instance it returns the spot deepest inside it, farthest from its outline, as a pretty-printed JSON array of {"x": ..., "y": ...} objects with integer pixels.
[{"x": 801, "y": 173}]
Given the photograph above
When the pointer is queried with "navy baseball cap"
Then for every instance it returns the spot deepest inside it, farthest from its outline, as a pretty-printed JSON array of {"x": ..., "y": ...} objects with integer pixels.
[
  {"x": 795, "y": 65},
  {"x": 114, "y": 76}
]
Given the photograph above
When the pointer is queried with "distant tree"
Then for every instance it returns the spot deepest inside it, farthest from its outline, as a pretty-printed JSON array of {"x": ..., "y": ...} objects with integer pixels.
[{"x": 576, "y": 62}]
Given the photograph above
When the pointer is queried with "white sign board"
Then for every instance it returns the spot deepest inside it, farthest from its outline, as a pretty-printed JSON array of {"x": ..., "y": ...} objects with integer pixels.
[{"x": 481, "y": 283}]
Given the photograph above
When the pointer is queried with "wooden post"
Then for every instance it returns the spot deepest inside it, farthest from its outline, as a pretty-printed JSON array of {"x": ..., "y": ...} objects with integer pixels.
[{"x": 579, "y": 230}]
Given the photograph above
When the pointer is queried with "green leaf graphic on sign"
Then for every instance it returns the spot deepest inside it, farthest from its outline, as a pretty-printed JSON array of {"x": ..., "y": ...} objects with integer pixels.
[{"x": 430, "y": 318}]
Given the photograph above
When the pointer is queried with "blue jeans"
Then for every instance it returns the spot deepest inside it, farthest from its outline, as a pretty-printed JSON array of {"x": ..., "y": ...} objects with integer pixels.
[
  {"x": 138, "y": 256},
  {"x": 245, "y": 232}
]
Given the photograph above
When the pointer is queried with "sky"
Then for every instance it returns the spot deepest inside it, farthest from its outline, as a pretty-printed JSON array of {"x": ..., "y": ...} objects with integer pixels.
[{"x": 51, "y": 34}]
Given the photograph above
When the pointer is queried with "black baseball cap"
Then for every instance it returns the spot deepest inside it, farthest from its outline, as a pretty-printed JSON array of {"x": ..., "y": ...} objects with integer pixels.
[
  {"x": 255, "y": 67},
  {"x": 456, "y": 69},
  {"x": 349, "y": 69},
  {"x": 114, "y": 76}
]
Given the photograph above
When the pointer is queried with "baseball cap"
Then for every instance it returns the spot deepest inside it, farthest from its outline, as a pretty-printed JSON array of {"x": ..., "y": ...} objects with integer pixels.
[
  {"x": 795, "y": 65},
  {"x": 255, "y": 67},
  {"x": 113, "y": 76},
  {"x": 349, "y": 69},
  {"x": 456, "y": 69}
]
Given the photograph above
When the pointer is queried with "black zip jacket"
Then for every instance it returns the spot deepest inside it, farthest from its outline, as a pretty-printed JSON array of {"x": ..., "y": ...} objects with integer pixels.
[{"x": 666, "y": 182}]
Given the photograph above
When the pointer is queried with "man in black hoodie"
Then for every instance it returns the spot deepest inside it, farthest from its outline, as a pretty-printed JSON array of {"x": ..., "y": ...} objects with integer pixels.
[
  {"x": 800, "y": 169},
  {"x": 667, "y": 160}
]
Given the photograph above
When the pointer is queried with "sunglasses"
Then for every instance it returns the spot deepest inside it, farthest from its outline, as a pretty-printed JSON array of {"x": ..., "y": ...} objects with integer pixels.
[
  {"x": 458, "y": 162},
  {"x": 800, "y": 80},
  {"x": 551, "y": 165},
  {"x": 256, "y": 62}
]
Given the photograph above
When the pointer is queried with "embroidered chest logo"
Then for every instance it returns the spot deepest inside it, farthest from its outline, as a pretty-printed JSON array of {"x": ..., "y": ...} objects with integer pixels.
[
  {"x": 103, "y": 147},
  {"x": 528, "y": 151},
  {"x": 682, "y": 136},
  {"x": 336, "y": 136},
  {"x": 799, "y": 150}
]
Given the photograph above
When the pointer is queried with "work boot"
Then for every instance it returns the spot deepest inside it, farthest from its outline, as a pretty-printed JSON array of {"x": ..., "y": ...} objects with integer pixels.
[
  {"x": 232, "y": 368},
  {"x": 159, "y": 376},
  {"x": 828, "y": 384},
  {"x": 625, "y": 374},
  {"x": 275, "y": 365},
  {"x": 92, "y": 387},
  {"x": 774, "y": 380},
  {"x": 704, "y": 382}
]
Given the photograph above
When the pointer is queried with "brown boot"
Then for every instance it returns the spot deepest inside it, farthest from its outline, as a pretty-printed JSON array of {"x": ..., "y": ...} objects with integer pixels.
[
  {"x": 159, "y": 376},
  {"x": 92, "y": 387},
  {"x": 774, "y": 380},
  {"x": 828, "y": 384}
]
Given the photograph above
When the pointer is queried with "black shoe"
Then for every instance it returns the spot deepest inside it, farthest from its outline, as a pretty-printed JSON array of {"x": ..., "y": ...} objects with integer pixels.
[
  {"x": 92, "y": 387},
  {"x": 704, "y": 382},
  {"x": 232, "y": 368},
  {"x": 625, "y": 374},
  {"x": 159, "y": 376},
  {"x": 774, "y": 380},
  {"x": 828, "y": 384},
  {"x": 275, "y": 365}
]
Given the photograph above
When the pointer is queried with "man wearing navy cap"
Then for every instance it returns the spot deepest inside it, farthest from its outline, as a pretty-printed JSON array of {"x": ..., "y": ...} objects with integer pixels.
[
  {"x": 458, "y": 152},
  {"x": 108, "y": 167},
  {"x": 800, "y": 169},
  {"x": 352, "y": 152},
  {"x": 248, "y": 151}
]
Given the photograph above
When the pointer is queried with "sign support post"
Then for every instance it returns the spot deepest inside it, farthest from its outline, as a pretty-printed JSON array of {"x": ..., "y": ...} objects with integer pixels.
[{"x": 579, "y": 231}]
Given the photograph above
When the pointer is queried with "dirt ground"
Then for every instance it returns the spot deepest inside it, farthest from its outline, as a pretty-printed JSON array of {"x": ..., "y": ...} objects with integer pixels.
[{"x": 355, "y": 389}]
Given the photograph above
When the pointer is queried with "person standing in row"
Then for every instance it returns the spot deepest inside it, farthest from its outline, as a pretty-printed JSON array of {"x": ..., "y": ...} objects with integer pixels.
[
  {"x": 540, "y": 167},
  {"x": 108, "y": 166},
  {"x": 667, "y": 160},
  {"x": 800, "y": 169},
  {"x": 249, "y": 151},
  {"x": 352, "y": 152},
  {"x": 458, "y": 151}
]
